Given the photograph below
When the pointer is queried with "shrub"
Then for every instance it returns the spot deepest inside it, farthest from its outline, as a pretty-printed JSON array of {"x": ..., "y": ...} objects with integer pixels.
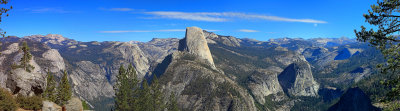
[
  {"x": 7, "y": 101},
  {"x": 30, "y": 103},
  {"x": 85, "y": 105}
]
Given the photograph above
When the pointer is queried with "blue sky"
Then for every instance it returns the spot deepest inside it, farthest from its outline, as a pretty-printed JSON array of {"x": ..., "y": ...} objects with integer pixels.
[{"x": 142, "y": 20}]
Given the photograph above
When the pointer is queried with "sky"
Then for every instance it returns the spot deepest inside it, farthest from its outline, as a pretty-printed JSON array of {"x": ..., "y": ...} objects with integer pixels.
[{"x": 142, "y": 20}]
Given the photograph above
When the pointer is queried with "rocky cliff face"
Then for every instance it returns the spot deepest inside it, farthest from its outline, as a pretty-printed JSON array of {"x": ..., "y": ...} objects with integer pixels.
[
  {"x": 297, "y": 80},
  {"x": 199, "y": 85},
  {"x": 22, "y": 82},
  {"x": 208, "y": 72},
  {"x": 264, "y": 83},
  {"x": 195, "y": 43}
]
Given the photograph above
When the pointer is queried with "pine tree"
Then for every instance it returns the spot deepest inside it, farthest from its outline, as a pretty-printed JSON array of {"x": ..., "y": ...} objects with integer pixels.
[
  {"x": 134, "y": 88},
  {"x": 50, "y": 91},
  {"x": 145, "y": 99},
  {"x": 4, "y": 10},
  {"x": 122, "y": 91},
  {"x": 172, "y": 104},
  {"x": 64, "y": 90},
  {"x": 384, "y": 36},
  {"x": 157, "y": 95},
  {"x": 26, "y": 58}
]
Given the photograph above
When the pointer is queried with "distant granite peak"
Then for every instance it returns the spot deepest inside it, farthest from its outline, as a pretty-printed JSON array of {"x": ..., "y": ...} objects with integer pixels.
[{"x": 195, "y": 43}]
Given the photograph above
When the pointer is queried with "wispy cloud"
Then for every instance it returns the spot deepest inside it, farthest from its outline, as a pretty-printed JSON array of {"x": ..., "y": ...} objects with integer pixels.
[
  {"x": 224, "y": 16},
  {"x": 48, "y": 10},
  {"x": 213, "y": 16},
  {"x": 247, "y": 30},
  {"x": 202, "y": 16},
  {"x": 119, "y": 9},
  {"x": 127, "y": 31}
]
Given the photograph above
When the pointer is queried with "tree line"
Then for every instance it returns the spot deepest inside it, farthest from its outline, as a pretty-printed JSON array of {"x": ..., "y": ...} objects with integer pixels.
[{"x": 133, "y": 95}]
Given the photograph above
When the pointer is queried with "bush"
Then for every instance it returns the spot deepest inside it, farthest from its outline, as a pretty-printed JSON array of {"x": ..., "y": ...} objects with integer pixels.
[
  {"x": 30, "y": 103},
  {"x": 7, "y": 101},
  {"x": 85, "y": 105}
]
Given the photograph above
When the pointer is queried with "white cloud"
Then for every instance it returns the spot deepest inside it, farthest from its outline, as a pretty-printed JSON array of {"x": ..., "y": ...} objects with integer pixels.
[
  {"x": 164, "y": 30},
  {"x": 48, "y": 10},
  {"x": 121, "y": 9},
  {"x": 209, "y": 17},
  {"x": 247, "y": 30},
  {"x": 224, "y": 16},
  {"x": 127, "y": 31}
]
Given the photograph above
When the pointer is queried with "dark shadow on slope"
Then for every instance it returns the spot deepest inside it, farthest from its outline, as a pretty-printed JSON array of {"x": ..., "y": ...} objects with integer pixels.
[
  {"x": 330, "y": 94},
  {"x": 287, "y": 78},
  {"x": 160, "y": 68},
  {"x": 354, "y": 100},
  {"x": 344, "y": 54}
]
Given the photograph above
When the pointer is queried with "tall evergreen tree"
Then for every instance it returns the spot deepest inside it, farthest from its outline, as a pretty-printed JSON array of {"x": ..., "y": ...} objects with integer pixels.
[
  {"x": 145, "y": 99},
  {"x": 157, "y": 96},
  {"x": 129, "y": 96},
  {"x": 134, "y": 87},
  {"x": 385, "y": 17},
  {"x": 64, "y": 90},
  {"x": 50, "y": 91},
  {"x": 122, "y": 91},
  {"x": 26, "y": 58}
]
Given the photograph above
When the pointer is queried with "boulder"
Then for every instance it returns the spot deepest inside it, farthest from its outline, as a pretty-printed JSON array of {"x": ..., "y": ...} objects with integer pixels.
[
  {"x": 75, "y": 104},
  {"x": 50, "y": 106}
]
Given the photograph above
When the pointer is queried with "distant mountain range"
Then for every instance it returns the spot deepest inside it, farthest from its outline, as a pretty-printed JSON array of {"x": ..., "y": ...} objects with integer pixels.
[{"x": 205, "y": 70}]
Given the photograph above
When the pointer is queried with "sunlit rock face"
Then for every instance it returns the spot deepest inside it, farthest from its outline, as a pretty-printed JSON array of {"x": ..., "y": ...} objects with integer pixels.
[
  {"x": 191, "y": 75},
  {"x": 195, "y": 43}
]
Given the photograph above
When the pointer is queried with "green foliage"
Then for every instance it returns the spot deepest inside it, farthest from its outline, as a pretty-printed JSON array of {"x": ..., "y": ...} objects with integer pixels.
[
  {"x": 145, "y": 99},
  {"x": 384, "y": 16},
  {"x": 30, "y": 103},
  {"x": 50, "y": 91},
  {"x": 64, "y": 90},
  {"x": 85, "y": 105},
  {"x": 311, "y": 104},
  {"x": 373, "y": 87},
  {"x": 4, "y": 10},
  {"x": 27, "y": 56},
  {"x": 172, "y": 104},
  {"x": 7, "y": 101},
  {"x": 157, "y": 95},
  {"x": 393, "y": 106},
  {"x": 130, "y": 97},
  {"x": 133, "y": 87},
  {"x": 122, "y": 91}
]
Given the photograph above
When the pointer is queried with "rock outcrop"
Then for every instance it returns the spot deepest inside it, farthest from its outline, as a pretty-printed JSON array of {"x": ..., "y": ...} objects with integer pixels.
[
  {"x": 26, "y": 83},
  {"x": 89, "y": 81},
  {"x": 74, "y": 104},
  {"x": 354, "y": 100},
  {"x": 264, "y": 83},
  {"x": 18, "y": 80},
  {"x": 50, "y": 106},
  {"x": 191, "y": 75},
  {"x": 195, "y": 43},
  {"x": 297, "y": 80}
]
